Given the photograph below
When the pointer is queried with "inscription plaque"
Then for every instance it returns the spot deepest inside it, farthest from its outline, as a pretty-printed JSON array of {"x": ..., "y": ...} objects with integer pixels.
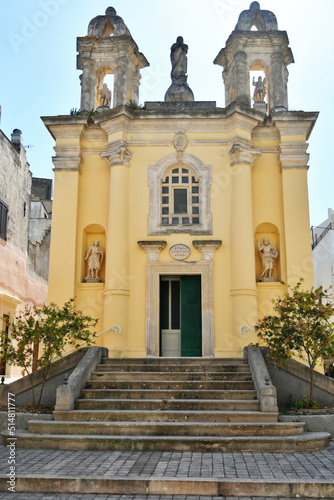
[{"x": 179, "y": 252}]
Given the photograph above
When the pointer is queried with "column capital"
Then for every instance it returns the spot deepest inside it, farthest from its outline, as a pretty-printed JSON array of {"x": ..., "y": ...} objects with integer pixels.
[
  {"x": 117, "y": 154},
  {"x": 240, "y": 154},
  {"x": 293, "y": 155},
  {"x": 68, "y": 158},
  {"x": 122, "y": 61},
  {"x": 152, "y": 248}
]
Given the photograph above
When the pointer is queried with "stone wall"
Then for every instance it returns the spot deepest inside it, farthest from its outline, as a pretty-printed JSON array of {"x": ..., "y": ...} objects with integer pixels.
[
  {"x": 15, "y": 188},
  {"x": 39, "y": 247},
  {"x": 41, "y": 188}
]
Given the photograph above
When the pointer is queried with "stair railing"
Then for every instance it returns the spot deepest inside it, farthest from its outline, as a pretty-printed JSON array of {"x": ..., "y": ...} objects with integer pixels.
[{"x": 116, "y": 329}]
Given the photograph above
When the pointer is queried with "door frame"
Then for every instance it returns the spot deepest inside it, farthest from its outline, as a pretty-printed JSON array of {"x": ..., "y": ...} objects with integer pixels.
[{"x": 157, "y": 269}]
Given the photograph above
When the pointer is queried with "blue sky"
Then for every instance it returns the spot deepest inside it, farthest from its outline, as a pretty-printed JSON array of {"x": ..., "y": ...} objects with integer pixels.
[{"x": 39, "y": 77}]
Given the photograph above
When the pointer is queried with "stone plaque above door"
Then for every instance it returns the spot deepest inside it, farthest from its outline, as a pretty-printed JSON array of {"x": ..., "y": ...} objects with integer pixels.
[{"x": 179, "y": 252}]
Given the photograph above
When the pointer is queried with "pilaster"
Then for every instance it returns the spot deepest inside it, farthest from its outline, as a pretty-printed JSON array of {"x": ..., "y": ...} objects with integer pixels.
[
  {"x": 117, "y": 246},
  {"x": 243, "y": 290},
  {"x": 294, "y": 165}
]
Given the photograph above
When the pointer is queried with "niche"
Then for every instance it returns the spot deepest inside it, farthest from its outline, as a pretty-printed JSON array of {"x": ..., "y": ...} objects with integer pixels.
[
  {"x": 270, "y": 231},
  {"x": 92, "y": 233}
]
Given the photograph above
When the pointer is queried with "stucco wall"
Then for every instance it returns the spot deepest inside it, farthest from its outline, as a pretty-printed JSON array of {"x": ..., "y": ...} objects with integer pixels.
[{"x": 15, "y": 187}]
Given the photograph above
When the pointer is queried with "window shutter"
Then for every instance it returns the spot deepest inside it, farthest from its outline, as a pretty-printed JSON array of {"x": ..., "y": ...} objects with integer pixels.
[{"x": 3, "y": 220}]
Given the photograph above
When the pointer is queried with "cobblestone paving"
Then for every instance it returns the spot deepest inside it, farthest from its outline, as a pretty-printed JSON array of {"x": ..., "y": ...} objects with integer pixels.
[
  {"x": 291, "y": 466},
  {"x": 74, "y": 496}
]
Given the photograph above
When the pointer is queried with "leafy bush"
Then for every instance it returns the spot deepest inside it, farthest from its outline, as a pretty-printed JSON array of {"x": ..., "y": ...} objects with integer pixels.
[
  {"x": 301, "y": 327},
  {"x": 52, "y": 327}
]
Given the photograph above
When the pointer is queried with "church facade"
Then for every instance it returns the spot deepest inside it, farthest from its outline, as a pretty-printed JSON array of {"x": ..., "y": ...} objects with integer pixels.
[{"x": 176, "y": 224}]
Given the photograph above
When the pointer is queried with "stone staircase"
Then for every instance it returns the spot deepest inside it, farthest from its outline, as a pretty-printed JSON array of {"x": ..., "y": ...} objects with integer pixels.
[{"x": 167, "y": 404}]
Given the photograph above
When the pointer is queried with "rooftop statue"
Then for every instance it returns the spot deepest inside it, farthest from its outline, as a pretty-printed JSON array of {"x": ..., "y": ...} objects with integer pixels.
[
  {"x": 179, "y": 90},
  {"x": 263, "y": 20},
  {"x": 178, "y": 57},
  {"x": 110, "y": 24}
]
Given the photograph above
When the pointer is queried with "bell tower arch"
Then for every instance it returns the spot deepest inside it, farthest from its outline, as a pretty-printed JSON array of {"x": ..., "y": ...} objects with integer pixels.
[
  {"x": 108, "y": 48},
  {"x": 264, "y": 48}
]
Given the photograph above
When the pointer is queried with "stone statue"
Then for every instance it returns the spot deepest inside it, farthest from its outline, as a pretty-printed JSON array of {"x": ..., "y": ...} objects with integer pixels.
[
  {"x": 178, "y": 57},
  {"x": 105, "y": 95},
  {"x": 179, "y": 91},
  {"x": 268, "y": 254},
  {"x": 94, "y": 257},
  {"x": 260, "y": 89}
]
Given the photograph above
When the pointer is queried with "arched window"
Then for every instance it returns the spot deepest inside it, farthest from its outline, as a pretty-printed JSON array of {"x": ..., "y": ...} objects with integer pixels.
[{"x": 180, "y": 196}]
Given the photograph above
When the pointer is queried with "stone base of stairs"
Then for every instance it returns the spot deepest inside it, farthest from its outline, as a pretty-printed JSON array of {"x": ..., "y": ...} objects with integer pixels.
[
  {"x": 306, "y": 442},
  {"x": 173, "y": 486}
]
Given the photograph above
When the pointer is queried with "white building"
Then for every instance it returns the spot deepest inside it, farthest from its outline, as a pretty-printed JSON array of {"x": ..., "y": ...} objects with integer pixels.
[{"x": 323, "y": 252}]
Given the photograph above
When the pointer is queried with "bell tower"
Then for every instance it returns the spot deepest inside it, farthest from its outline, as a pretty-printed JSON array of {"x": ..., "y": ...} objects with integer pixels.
[
  {"x": 256, "y": 45},
  {"x": 108, "y": 48}
]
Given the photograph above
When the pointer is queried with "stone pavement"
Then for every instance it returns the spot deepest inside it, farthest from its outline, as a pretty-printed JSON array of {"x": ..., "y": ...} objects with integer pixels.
[
  {"x": 97, "y": 496},
  {"x": 238, "y": 467}
]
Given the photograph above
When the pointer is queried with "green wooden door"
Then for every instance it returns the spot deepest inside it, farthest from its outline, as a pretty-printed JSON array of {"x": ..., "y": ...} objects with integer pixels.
[{"x": 191, "y": 316}]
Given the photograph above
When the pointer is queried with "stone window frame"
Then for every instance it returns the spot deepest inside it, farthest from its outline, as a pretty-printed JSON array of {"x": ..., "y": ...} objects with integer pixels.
[
  {"x": 156, "y": 175},
  {"x": 180, "y": 178},
  {"x": 3, "y": 220}
]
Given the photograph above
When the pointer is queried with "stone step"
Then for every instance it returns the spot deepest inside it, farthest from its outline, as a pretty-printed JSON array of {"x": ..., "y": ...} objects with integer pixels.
[
  {"x": 181, "y": 429},
  {"x": 208, "y": 376},
  {"x": 272, "y": 444},
  {"x": 172, "y": 367},
  {"x": 166, "y": 394},
  {"x": 86, "y": 486},
  {"x": 175, "y": 361},
  {"x": 173, "y": 385},
  {"x": 168, "y": 404},
  {"x": 164, "y": 416}
]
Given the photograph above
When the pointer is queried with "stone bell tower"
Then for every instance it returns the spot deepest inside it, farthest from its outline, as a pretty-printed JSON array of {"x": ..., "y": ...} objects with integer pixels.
[
  {"x": 108, "y": 48},
  {"x": 263, "y": 49}
]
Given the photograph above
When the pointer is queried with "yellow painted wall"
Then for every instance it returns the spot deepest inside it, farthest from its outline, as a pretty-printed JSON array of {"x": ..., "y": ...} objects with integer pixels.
[{"x": 112, "y": 204}]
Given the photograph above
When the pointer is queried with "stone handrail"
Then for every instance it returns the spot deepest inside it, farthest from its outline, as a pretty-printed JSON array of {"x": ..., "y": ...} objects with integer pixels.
[
  {"x": 69, "y": 392},
  {"x": 266, "y": 392}
]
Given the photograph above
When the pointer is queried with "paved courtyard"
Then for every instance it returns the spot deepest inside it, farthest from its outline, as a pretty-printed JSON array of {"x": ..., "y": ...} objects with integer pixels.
[
  {"x": 289, "y": 467},
  {"x": 315, "y": 465}
]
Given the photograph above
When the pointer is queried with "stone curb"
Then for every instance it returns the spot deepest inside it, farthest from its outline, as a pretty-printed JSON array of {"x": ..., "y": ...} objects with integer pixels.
[
  {"x": 313, "y": 423},
  {"x": 173, "y": 486},
  {"x": 22, "y": 419}
]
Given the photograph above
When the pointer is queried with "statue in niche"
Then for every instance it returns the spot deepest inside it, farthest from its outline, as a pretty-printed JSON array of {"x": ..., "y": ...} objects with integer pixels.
[
  {"x": 178, "y": 57},
  {"x": 260, "y": 89},
  {"x": 104, "y": 95},
  {"x": 268, "y": 254},
  {"x": 94, "y": 257}
]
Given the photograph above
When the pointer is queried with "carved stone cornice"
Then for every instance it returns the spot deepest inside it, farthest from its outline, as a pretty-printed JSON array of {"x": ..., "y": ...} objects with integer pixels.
[
  {"x": 241, "y": 155},
  {"x": 152, "y": 248},
  {"x": 293, "y": 155},
  {"x": 207, "y": 248},
  {"x": 117, "y": 154}
]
